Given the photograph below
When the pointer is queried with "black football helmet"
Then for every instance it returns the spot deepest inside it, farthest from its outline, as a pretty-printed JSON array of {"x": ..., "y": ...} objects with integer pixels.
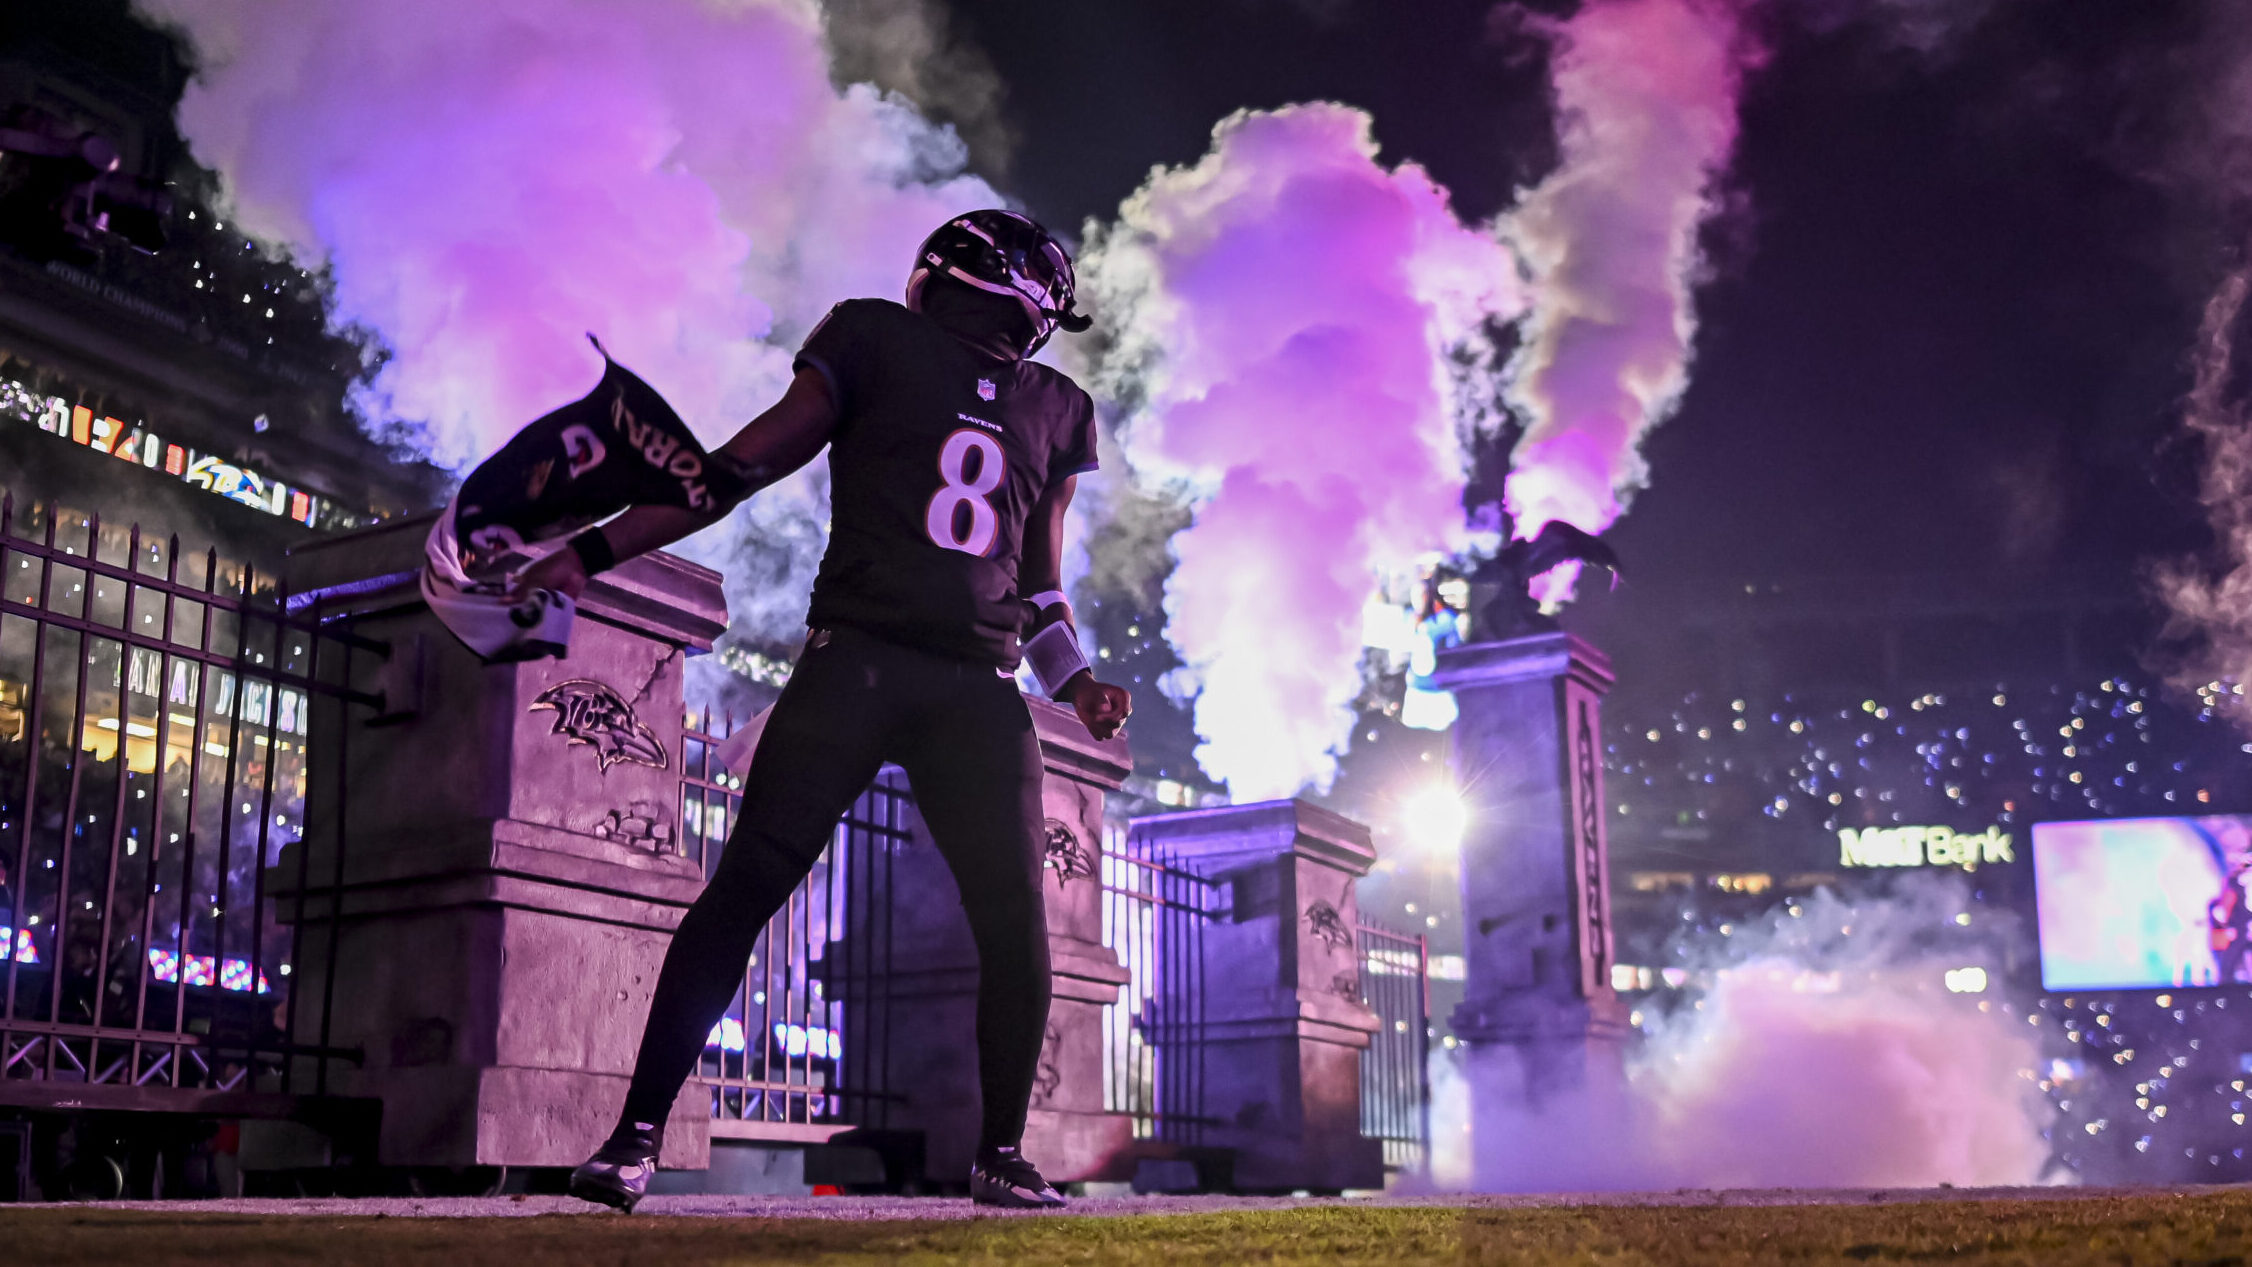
[{"x": 1007, "y": 254}]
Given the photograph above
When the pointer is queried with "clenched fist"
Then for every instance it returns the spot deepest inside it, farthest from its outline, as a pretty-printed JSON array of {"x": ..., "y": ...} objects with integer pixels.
[{"x": 1102, "y": 707}]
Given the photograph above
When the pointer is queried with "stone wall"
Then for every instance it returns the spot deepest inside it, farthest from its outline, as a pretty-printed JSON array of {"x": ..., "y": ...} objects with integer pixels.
[{"x": 511, "y": 874}]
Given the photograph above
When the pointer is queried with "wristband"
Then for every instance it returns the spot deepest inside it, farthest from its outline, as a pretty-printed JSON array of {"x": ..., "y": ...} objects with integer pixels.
[
  {"x": 1045, "y": 599},
  {"x": 1054, "y": 657},
  {"x": 593, "y": 549}
]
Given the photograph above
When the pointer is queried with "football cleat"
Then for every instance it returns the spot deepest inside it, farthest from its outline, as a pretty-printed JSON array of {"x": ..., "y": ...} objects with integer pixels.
[
  {"x": 1003, "y": 1177},
  {"x": 618, "y": 1174}
]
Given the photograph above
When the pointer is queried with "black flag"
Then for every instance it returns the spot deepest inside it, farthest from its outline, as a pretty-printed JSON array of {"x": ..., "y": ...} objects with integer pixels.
[{"x": 620, "y": 445}]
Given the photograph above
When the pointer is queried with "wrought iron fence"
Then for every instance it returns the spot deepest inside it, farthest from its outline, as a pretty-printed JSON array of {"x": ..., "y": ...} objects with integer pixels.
[
  {"x": 1395, "y": 1091},
  {"x": 1154, "y": 1050},
  {"x": 802, "y": 1050},
  {"x": 1154, "y": 915},
  {"x": 156, "y": 750}
]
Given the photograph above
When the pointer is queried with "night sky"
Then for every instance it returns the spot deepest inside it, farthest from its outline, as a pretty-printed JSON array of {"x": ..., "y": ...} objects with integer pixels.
[{"x": 1952, "y": 300}]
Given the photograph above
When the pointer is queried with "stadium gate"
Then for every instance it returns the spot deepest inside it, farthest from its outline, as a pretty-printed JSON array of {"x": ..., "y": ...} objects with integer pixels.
[{"x": 158, "y": 742}]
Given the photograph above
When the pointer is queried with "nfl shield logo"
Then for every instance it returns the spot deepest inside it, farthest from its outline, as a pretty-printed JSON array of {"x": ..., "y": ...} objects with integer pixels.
[{"x": 985, "y": 389}]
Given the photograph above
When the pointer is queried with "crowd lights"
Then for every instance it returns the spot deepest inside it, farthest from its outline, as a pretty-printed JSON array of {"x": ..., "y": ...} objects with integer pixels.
[
  {"x": 789, "y": 1040},
  {"x": 203, "y": 970},
  {"x": 26, "y": 950},
  {"x": 1971, "y": 980}
]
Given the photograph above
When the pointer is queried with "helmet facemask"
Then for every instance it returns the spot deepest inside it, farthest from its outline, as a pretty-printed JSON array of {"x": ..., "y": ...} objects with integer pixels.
[{"x": 1003, "y": 253}]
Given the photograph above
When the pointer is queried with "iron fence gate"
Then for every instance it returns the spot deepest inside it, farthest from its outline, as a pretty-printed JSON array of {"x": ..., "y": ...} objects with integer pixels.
[
  {"x": 1395, "y": 1091},
  {"x": 802, "y": 1051},
  {"x": 1154, "y": 915},
  {"x": 155, "y": 755}
]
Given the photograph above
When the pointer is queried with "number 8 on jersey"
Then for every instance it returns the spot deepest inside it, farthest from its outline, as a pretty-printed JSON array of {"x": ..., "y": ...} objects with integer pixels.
[{"x": 960, "y": 517}]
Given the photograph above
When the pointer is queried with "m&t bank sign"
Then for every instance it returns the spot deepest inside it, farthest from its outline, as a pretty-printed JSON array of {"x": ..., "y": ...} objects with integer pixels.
[{"x": 1923, "y": 847}]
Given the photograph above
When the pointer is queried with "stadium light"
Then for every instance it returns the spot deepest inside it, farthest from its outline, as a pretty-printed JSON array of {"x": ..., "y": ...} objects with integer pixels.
[{"x": 1433, "y": 818}]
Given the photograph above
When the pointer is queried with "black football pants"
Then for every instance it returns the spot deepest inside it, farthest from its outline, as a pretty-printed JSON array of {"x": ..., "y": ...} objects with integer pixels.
[{"x": 964, "y": 737}]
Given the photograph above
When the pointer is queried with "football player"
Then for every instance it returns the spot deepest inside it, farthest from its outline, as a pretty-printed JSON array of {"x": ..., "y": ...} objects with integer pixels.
[{"x": 952, "y": 458}]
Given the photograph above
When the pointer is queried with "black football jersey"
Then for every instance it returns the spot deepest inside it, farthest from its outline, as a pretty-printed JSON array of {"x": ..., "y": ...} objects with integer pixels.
[{"x": 939, "y": 454}]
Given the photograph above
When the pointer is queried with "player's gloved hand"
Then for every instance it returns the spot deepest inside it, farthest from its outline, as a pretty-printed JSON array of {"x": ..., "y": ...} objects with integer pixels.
[
  {"x": 1102, "y": 707},
  {"x": 561, "y": 571}
]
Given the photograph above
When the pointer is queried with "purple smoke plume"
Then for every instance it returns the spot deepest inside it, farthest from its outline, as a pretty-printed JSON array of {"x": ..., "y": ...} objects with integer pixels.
[
  {"x": 1646, "y": 95},
  {"x": 1281, "y": 315},
  {"x": 486, "y": 181},
  {"x": 1826, "y": 1050}
]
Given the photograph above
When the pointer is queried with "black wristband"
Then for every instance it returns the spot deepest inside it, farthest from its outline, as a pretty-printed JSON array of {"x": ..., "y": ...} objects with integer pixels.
[{"x": 593, "y": 549}]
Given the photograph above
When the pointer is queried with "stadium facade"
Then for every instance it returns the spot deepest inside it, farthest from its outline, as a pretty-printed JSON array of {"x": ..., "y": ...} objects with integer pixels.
[{"x": 195, "y": 390}]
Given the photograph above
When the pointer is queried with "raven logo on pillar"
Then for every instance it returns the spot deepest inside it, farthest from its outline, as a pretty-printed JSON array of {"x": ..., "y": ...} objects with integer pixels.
[
  {"x": 587, "y": 712},
  {"x": 1323, "y": 921},
  {"x": 1066, "y": 855}
]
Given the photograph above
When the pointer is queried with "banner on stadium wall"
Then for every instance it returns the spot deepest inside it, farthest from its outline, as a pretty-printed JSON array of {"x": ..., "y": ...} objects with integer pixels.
[
  {"x": 1924, "y": 847},
  {"x": 243, "y": 485}
]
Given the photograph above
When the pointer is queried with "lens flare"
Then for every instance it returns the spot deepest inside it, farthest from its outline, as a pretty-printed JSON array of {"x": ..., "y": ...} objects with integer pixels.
[{"x": 1433, "y": 818}]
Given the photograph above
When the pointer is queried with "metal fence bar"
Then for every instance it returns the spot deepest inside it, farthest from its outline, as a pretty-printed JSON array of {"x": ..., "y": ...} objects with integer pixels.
[
  {"x": 124, "y": 765},
  {"x": 77, "y": 766},
  {"x": 304, "y": 871},
  {"x": 202, "y": 693},
  {"x": 222, "y": 906},
  {"x": 150, "y": 882},
  {"x": 1395, "y": 1088},
  {"x": 1154, "y": 914},
  {"x": 258, "y": 912},
  {"x": 822, "y": 960},
  {"x": 35, "y": 719}
]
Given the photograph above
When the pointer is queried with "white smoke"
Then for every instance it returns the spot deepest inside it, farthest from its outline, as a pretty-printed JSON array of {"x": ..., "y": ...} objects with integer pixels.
[
  {"x": 1646, "y": 97},
  {"x": 488, "y": 180},
  {"x": 1279, "y": 319},
  {"x": 1827, "y": 1051},
  {"x": 2209, "y": 601}
]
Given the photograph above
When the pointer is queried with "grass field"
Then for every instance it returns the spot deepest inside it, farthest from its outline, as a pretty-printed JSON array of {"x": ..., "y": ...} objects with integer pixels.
[{"x": 2207, "y": 1228}]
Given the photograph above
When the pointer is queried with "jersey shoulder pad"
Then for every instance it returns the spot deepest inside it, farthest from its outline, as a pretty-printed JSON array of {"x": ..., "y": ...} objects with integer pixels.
[
  {"x": 1060, "y": 384},
  {"x": 874, "y": 311}
]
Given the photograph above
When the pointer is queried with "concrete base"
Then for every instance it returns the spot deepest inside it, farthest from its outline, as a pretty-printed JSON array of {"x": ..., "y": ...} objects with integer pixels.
[
  {"x": 933, "y": 1068},
  {"x": 477, "y": 1067},
  {"x": 1283, "y": 1144}
]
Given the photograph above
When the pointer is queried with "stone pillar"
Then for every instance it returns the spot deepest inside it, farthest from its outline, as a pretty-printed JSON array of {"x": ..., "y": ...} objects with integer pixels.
[
  {"x": 512, "y": 869},
  {"x": 926, "y": 1011},
  {"x": 1527, "y": 754},
  {"x": 1281, "y": 1017}
]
